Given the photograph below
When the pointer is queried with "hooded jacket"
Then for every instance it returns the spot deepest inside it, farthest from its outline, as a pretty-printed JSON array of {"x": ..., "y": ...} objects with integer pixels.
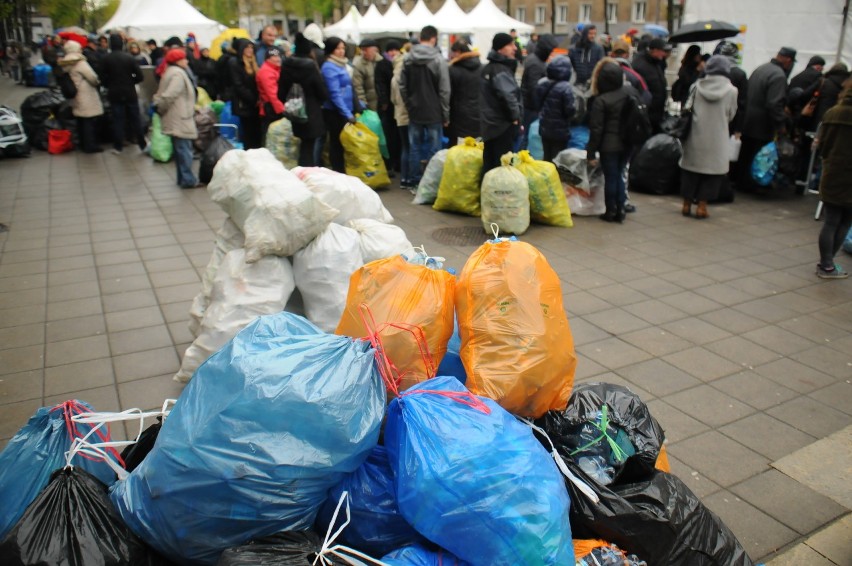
[
  {"x": 830, "y": 91},
  {"x": 245, "y": 96},
  {"x": 364, "y": 82},
  {"x": 500, "y": 102},
  {"x": 304, "y": 72},
  {"x": 425, "y": 85},
  {"x": 609, "y": 94},
  {"x": 120, "y": 73},
  {"x": 205, "y": 70},
  {"x": 585, "y": 56},
  {"x": 714, "y": 107},
  {"x": 835, "y": 147},
  {"x": 267, "y": 89},
  {"x": 464, "y": 95},
  {"x": 805, "y": 79},
  {"x": 740, "y": 81},
  {"x": 655, "y": 77},
  {"x": 400, "y": 112},
  {"x": 555, "y": 97},
  {"x": 535, "y": 68},
  {"x": 87, "y": 103},
  {"x": 767, "y": 91},
  {"x": 175, "y": 100}
]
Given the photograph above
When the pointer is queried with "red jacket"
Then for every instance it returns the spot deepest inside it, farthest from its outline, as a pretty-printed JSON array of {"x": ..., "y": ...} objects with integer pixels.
[{"x": 267, "y": 88}]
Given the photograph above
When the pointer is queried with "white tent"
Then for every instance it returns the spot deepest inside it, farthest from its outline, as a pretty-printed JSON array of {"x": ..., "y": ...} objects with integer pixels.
[
  {"x": 395, "y": 22},
  {"x": 347, "y": 28},
  {"x": 371, "y": 22},
  {"x": 487, "y": 19},
  {"x": 452, "y": 19},
  {"x": 420, "y": 16},
  {"x": 813, "y": 28},
  {"x": 161, "y": 19}
]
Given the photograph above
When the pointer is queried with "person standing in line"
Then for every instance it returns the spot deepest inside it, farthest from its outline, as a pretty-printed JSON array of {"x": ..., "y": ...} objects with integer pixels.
[
  {"x": 690, "y": 68},
  {"x": 120, "y": 74},
  {"x": 834, "y": 142},
  {"x": 500, "y": 103},
  {"x": 401, "y": 118},
  {"x": 265, "y": 42},
  {"x": 705, "y": 163},
  {"x": 175, "y": 102},
  {"x": 205, "y": 71},
  {"x": 86, "y": 106},
  {"x": 364, "y": 75},
  {"x": 242, "y": 71},
  {"x": 136, "y": 52},
  {"x": 534, "y": 70},
  {"x": 650, "y": 66},
  {"x": 586, "y": 53},
  {"x": 811, "y": 74},
  {"x": 339, "y": 108},
  {"x": 270, "y": 106},
  {"x": 465, "y": 68},
  {"x": 156, "y": 53},
  {"x": 555, "y": 97},
  {"x": 384, "y": 75},
  {"x": 302, "y": 69}
]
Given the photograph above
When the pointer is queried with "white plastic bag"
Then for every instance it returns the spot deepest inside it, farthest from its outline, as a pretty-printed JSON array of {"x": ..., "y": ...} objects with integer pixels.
[
  {"x": 348, "y": 194},
  {"x": 584, "y": 185},
  {"x": 229, "y": 237},
  {"x": 379, "y": 240},
  {"x": 240, "y": 293},
  {"x": 427, "y": 190},
  {"x": 506, "y": 198},
  {"x": 322, "y": 273},
  {"x": 274, "y": 209},
  {"x": 734, "y": 146}
]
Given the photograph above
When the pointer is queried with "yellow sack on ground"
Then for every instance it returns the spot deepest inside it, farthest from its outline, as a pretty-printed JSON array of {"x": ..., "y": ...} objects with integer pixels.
[
  {"x": 399, "y": 292},
  {"x": 203, "y": 99},
  {"x": 506, "y": 198},
  {"x": 459, "y": 188},
  {"x": 361, "y": 155},
  {"x": 548, "y": 204},
  {"x": 516, "y": 345},
  {"x": 281, "y": 142}
]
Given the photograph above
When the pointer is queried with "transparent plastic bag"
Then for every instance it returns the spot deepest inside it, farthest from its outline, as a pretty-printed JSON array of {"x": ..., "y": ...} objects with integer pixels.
[
  {"x": 548, "y": 204},
  {"x": 427, "y": 190},
  {"x": 282, "y": 143},
  {"x": 362, "y": 156},
  {"x": 506, "y": 198},
  {"x": 459, "y": 188}
]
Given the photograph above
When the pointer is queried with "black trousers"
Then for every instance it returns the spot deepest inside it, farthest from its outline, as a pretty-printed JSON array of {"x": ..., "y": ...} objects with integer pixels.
[
  {"x": 699, "y": 186},
  {"x": 838, "y": 219},
  {"x": 126, "y": 113},
  {"x": 86, "y": 131},
  {"x": 334, "y": 123},
  {"x": 251, "y": 130},
  {"x": 391, "y": 130},
  {"x": 552, "y": 148},
  {"x": 496, "y": 147}
]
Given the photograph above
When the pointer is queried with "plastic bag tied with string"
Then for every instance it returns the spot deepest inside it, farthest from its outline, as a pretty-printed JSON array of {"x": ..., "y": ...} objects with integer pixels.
[
  {"x": 459, "y": 188},
  {"x": 506, "y": 198},
  {"x": 548, "y": 204}
]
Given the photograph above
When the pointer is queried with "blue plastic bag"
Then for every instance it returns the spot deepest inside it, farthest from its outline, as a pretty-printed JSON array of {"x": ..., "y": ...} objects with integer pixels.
[
  {"x": 579, "y": 137},
  {"x": 534, "y": 145},
  {"x": 417, "y": 555},
  {"x": 451, "y": 363},
  {"x": 765, "y": 165},
  {"x": 227, "y": 116},
  {"x": 847, "y": 243},
  {"x": 41, "y": 75},
  {"x": 377, "y": 527},
  {"x": 266, "y": 427},
  {"x": 473, "y": 479},
  {"x": 35, "y": 452}
]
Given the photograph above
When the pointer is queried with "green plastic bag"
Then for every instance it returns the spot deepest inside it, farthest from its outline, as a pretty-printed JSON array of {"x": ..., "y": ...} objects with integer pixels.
[
  {"x": 371, "y": 119},
  {"x": 361, "y": 155},
  {"x": 548, "y": 204},
  {"x": 506, "y": 198},
  {"x": 459, "y": 188},
  {"x": 217, "y": 106},
  {"x": 282, "y": 143},
  {"x": 161, "y": 144}
]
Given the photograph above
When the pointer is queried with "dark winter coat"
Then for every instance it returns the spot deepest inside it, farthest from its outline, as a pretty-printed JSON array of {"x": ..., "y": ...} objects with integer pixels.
[
  {"x": 535, "y": 68},
  {"x": 686, "y": 77},
  {"x": 425, "y": 85},
  {"x": 555, "y": 97},
  {"x": 584, "y": 56},
  {"x": 304, "y": 71},
  {"x": 605, "y": 116},
  {"x": 655, "y": 77},
  {"x": 120, "y": 74},
  {"x": 636, "y": 81},
  {"x": 804, "y": 79},
  {"x": 383, "y": 76},
  {"x": 226, "y": 88},
  {"x": 829, "y": 92},
  {"x": 767, "y": 92},
  {"x": 244, "y": 102},
  {"x": 500, "y": 102},
  {"x": 740, "y": 80},
  {"x": 835, "y": 147},
  {"x": 464, "y": 95},
  {"x": 205, "y": 70}
]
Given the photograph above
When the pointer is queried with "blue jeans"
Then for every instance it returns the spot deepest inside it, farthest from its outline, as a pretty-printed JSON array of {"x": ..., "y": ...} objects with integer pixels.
[
  {"x": 424, "y": 141},
  {"x": 183, "y": 159},
  {"x": 613, "y": 164}
]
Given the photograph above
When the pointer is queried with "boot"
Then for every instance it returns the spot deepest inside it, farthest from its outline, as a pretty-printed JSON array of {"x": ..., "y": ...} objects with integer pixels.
[
  {"x": 609, "y": 215},
  {"x": 620, "y": 214},
  {"x": 701, "y": 211},
  {"x": 687, "y": 207}
]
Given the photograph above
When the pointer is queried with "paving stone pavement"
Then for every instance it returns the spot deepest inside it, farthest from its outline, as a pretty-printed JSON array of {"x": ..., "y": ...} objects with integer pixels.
[{"x": 742, "y": 353}]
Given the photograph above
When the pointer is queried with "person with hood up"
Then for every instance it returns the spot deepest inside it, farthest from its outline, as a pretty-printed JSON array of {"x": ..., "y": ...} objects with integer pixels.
[
  {"x": 425, "y": 88},
  {"x": 704, "y": 164},
  {"x": 464, "y": 92},
  {"x": 86, "y": 106},
  {"x": 120, "y": 74},
  {"x": 740, "y": 81},
  {"x": 586, "y": 53},
  {"x": 555, "y": 97},
  {"x": 610, "y": 94},
  {"x": 835, "y": 190},
  {"x": 302, "y": 69},
  {"x": 811, "y": 74},
  {"x": 364, "y": 74},
  {"x": 500, "y": 103},
  {"x": 400, "y": 114},
  {"x": 339, "y": 108},
  {"x": 534, "y": 71},
  {"x": 242, "y": 71},
  {"x": 270, "y": 106},
  {"x": 175, "y": 102}
]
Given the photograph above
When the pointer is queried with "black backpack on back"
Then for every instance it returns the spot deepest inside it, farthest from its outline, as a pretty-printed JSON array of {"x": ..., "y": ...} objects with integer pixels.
[
  {"x": 635, "y": 123},
  {"x": 66, "y": 85}
]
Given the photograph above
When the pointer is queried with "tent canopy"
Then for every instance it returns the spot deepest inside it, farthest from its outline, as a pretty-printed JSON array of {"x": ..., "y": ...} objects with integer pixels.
[
  {"x": 487, "y": 19},
  {"x": 161, "y": 19},
  {"x": 371, "y": 21},
  {"x": 452, "y": 19},
  {"x": 348, "y": 27}
]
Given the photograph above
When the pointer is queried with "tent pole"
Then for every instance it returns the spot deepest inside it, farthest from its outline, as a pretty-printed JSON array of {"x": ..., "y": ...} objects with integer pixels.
[{"x": 842, "y": 32}]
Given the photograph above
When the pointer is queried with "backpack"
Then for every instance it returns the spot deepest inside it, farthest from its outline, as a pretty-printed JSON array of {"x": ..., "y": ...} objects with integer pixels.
[
  {"x": 66, "y": 85},
  {"x": 635, "y": 126}
]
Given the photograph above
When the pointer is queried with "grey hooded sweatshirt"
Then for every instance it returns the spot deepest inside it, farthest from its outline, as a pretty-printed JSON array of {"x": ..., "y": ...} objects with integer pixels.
[{"x": 425, "y": 85}]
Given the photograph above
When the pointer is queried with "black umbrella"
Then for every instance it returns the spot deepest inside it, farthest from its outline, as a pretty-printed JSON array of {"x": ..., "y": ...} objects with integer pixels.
[{"x": 708, "y": 30}]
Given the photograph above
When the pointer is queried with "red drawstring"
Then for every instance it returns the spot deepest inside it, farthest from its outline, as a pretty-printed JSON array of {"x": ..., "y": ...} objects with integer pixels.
[
  {"x": 71, "y": 408},
  {"x": 463, "y": 397}
]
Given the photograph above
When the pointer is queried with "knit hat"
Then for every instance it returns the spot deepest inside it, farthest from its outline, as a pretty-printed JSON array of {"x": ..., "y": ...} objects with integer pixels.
[
  {"x": 272, "y": 52},
  {"x": 816, "y": 60},
  {"x": 313, "y": 33},
  {"x": 368, "y": 43},
  {"x": 72, "y": 46},
  {"x": 718, "y": 65},
  {"x": 657, "y": 43},
  {"x": 787, "y": 52},
  {"x": 500, "y": 41},
  {"x": 173, "y": 41},
  {"x": 392, "y": 45},
  {"x": 175, "y": 55}
]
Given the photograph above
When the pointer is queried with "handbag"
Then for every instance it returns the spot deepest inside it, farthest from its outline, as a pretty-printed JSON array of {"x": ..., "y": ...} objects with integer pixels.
[
  {"x": 294, "y": 106},
  {"x": 682, "y": 127}
]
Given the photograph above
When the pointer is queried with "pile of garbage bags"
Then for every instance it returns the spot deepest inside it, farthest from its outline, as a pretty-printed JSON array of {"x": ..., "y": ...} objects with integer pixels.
[
  {"x": 45, "y": 111},
  {"x": 582, "y": 183}
]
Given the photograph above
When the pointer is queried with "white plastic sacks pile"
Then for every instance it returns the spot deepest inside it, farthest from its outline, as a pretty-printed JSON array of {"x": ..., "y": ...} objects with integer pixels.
[{"x": 328, "y": 223}]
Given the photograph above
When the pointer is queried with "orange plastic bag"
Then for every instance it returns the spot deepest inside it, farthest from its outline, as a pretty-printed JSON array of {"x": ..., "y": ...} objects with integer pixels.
[
  {"x": 396, "y": 291},
  {"x": 584, "y": 547},
  {"x": 662, "y": 462},
  {"x": 516, "y": 345}
]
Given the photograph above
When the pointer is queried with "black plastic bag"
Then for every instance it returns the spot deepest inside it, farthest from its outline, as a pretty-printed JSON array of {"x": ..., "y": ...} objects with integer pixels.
[
  {"x": 211, "y": 156},
  {"x": 659, "y": 520},
  {"x": 655, "y": 168},
  {"x": 205, "y": 120},
  {"x": 37, "y": 108},
  {"x": 294, "y": 548},
  {"x": 624, "y": 411},
  {"x": 72, "y": 522},
  {"x": 135, "y": 453}
]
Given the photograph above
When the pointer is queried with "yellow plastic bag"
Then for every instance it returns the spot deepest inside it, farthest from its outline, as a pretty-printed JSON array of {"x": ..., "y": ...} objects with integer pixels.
[
  {"x": 459, "y": 188},
  {"x": 203, "y": 99},
  {"x": 548, "y": 204},
  {"x": 361, "y": 155},
  {"x": 399, "y": 292},
  {"x": 516, "y": 345},
  {"x": 506, "y": 198},
  {"x": 282, "y": 143}
]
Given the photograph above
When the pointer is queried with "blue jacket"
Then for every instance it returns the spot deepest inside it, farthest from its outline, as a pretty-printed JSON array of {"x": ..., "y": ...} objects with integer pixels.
[
  {"x": 555, "y": 97},
  {"x": 339, "y": 86}
]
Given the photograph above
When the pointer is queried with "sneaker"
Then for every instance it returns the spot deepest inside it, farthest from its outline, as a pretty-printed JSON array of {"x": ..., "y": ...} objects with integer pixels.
[
  {"x": 835, "y": 273},
  {"x": 115, "y": 151}
]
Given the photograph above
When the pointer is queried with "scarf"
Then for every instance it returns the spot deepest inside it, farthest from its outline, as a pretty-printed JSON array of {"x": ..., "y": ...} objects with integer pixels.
[
  {"x": 342, "y": 61},
  {"x": 250, "y": 64}
]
